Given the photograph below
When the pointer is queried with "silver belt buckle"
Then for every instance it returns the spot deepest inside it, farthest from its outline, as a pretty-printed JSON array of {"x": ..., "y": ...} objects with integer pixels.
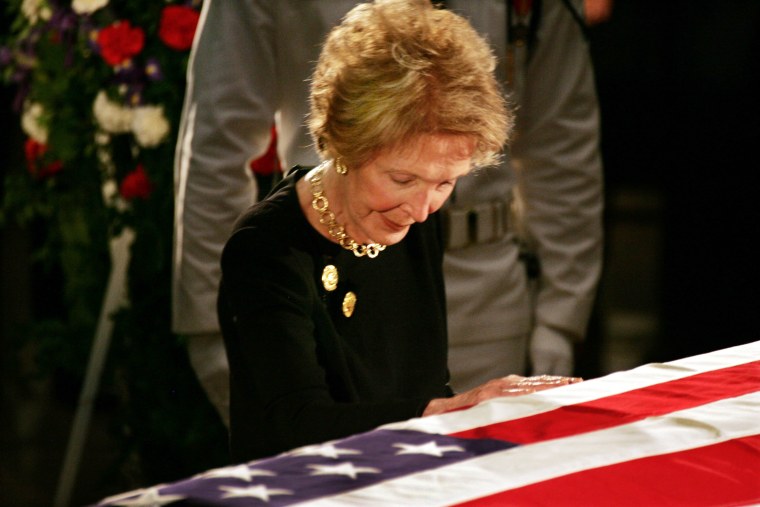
[
  {"x": 457, "y": 228},
  {"x": 481, "y": 223},
  {"x": 484, "y": 223}
]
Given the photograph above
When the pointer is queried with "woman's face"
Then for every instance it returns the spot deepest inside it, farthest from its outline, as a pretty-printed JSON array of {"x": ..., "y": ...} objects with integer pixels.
[{"x": 402, "y": 186}]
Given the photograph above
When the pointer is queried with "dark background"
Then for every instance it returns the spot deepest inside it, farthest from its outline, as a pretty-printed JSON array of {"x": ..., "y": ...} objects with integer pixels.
[{"x": 678, "y": 84}]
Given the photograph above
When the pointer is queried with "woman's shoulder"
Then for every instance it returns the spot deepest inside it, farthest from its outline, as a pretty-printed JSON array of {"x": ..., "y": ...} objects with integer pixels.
[
  {"x": 279, "y": 207},
  {"x": 272, "y": 224}
]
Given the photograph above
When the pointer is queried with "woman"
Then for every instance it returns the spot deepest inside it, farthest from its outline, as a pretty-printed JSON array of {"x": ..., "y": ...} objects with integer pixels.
[{"x": 332, "y": 300}]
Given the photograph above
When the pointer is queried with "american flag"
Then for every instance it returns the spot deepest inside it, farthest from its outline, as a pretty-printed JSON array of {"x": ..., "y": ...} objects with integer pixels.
[{"x": 681, "y": 433}]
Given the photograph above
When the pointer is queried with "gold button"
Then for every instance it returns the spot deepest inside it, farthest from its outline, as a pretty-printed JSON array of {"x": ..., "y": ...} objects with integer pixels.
[
  {"x": 349, "y": 303},
  {"x": 330, "y": 277}
]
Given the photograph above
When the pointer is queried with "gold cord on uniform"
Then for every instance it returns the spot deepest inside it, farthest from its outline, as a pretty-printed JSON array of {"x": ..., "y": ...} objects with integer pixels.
[{"x": 327, "y": 218}]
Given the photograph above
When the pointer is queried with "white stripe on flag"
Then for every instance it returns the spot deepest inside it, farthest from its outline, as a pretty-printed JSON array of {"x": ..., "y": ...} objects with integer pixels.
[
  {"x": 687, "y": 429},
  {"x": 507, "y": 409}
]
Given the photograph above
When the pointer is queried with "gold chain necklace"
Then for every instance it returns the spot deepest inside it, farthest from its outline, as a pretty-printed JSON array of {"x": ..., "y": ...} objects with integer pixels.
[{"x": 327, "y": 218}]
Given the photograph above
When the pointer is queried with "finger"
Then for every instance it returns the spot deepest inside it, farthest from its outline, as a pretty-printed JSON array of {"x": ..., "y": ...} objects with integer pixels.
[
  {"x": 552, "y": 380},
  {"x": 517, "y": 391},
  {"x": 542, "y": 382}
]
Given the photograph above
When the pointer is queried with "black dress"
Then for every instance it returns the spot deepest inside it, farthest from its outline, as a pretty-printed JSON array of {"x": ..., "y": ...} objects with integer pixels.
[{"x": 303, "y": 372}]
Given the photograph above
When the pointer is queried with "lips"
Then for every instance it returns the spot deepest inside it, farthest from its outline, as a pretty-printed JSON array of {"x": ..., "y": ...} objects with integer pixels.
[{"x": 393, "y": 225}]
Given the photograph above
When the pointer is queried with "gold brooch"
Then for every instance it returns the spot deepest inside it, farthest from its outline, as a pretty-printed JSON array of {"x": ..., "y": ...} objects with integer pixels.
[
  {"x": 330, "y": 277},
  {"x": 349, "y": 303}
]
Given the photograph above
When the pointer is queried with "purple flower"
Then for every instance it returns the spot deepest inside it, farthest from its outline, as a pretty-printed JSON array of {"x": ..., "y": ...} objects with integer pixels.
[
  {"x": 21, "y": 93},
  {"x": 128, "y": 73},
  {"x": 63, "y": 20},
  {"x": 6, "y": 56},
  {"x": 92, "y": 40},
  {"x": 19, "y": 75},
  {"x": 153, "y": 70},
  {"x": 135, "y": 94}
]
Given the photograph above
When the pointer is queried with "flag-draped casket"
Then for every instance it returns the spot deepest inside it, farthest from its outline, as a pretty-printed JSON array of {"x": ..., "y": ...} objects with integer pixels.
[{"x": 680, "y": 433}]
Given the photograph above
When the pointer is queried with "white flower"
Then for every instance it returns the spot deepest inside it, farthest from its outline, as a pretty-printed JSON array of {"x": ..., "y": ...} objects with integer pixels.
[
  {"x": 87, "y": 6},
  {"x": 35, "y": 10},
  {"x": 111, "y": 194},
  {"x": 112, "y": 117},
  {"x": 149, "y": 125},
  {"x": 31, "y": 122},
  {"x": 110, "y": 189},
  {"x": 102, "y": 138}
]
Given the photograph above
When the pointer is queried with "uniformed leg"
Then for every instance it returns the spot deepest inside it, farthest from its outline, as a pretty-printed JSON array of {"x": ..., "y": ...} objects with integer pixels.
[{"x": 209, "y": 360}]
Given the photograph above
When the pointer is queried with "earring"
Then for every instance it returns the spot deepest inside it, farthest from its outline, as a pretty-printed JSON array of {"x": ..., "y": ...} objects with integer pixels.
[{"x": 340, "y": 167}]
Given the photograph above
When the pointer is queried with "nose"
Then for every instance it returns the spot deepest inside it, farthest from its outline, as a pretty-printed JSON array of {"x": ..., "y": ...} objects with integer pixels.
[{"x": 422, "y": 204}]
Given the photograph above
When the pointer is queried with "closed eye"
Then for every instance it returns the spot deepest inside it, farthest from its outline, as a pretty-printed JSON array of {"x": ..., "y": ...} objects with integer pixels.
[{"x": 402, "y": 180}]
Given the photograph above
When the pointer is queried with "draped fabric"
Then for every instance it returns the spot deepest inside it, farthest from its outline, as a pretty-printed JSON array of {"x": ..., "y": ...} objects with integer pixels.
[{"x": 685, "y": 432}]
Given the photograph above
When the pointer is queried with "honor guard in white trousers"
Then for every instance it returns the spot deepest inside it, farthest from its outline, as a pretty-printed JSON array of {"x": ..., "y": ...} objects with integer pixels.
[{"x": 500, "y": 320}]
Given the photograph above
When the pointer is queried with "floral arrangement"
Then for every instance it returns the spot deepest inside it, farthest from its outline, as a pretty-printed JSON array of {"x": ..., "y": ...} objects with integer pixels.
[
  {"x": 125, "y": 65},
  {"x": 98, "y": 88}
]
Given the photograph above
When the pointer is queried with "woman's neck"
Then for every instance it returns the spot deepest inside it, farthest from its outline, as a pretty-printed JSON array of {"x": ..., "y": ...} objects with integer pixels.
[{"x": 331, "y": 192}]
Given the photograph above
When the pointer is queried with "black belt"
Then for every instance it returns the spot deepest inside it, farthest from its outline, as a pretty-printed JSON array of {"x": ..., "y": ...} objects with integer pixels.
[{"x": 476, "y": 224}]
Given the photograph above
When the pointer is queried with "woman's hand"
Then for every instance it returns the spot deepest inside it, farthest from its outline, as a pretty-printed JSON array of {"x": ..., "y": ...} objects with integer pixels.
[{"x": 511, "y": 385}]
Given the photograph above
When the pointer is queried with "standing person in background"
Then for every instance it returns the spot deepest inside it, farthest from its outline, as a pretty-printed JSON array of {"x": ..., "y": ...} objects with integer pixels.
[
  {"x": 503, "y": 318},
  {"x": 250, "y": 64}
]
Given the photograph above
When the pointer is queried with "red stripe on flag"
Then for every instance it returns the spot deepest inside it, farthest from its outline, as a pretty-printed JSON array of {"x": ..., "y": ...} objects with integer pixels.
[
  {"x": 626, "y": 407},
  {"x": 721, "y": 474}
]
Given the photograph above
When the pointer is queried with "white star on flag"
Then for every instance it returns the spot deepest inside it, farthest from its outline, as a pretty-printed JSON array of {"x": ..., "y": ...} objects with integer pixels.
[
  {"x": 430, "y": 448},
  {"x": 259, "y": 491},
  {"x": 149, "y": 498},
  {"x": 323, "y": 450},
  {"x": 347, "y": 469},
  {"x": 241, "y": 472}
]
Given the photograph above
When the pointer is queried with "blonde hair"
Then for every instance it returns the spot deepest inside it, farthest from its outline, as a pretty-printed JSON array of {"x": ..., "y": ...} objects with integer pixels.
[{"x": 396, "y": 69}]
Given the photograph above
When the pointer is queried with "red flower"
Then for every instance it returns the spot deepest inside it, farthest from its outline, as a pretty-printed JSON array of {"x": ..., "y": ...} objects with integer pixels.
[
  {"x": 136, "y": 184},
  {"x": 269, "y": 162},
  {"x": 120, "y": 41},
  {"x": 33, "y": 152},
  {"x": 177, "y": 26}
]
